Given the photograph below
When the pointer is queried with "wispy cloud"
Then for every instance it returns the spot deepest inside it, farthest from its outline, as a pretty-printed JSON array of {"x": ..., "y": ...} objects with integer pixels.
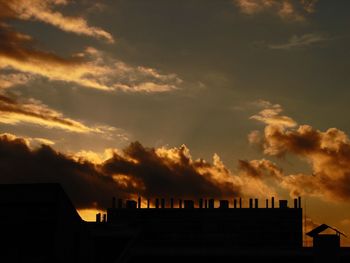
[
  {"x": 118, "y": 75},
  {"x": 90, "y": 68},
  {"x": 44, "y": 11},
  {"x": 21, "y": 62},
  {"x": 303, "y": 41},
  {"x": 31, "y": 111},
  {"x": 291, "y": 10},
  {"x": 270, "y": 114}
]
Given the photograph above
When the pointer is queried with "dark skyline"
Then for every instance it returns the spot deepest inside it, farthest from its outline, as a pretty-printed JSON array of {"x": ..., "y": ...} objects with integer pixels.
[{"x": 197, "y": 97}]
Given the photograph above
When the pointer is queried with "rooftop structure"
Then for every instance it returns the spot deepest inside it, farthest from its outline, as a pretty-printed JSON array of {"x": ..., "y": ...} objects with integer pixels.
[
  {"x": 325, "y": 242},
  {"x": 205, "y": 224}
]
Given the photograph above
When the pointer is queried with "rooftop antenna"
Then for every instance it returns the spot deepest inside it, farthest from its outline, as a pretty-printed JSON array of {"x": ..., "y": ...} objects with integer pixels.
[{"x": 305, "y": 237}]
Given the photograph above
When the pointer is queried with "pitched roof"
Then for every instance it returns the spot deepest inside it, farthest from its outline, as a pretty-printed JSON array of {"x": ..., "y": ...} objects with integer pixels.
[
  {"x": 322, "y": 228},
  {"x": 23, "y": 202}
]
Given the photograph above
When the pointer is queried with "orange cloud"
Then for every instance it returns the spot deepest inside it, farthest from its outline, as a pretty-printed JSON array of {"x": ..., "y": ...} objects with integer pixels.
[
  {"x": 43, "y": 11},
  {"x": 34, "y": 112},
  {"x": 13, "y": 79},
  {"x": 90, "y": 68},
  {"x": 15, "y": 54},
  {"x": 327, "y": 152},
  {"x": 28, "y": 141},
  {"x": 293, "y": 10},
  {"x": 271, "y": 115}
]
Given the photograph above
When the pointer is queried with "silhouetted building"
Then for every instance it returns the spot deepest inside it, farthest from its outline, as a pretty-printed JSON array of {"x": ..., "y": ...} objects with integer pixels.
[
  {"x": 209, "y": 234},
  {"x": 38, "y": 223},
  {"x": 326, "y": 247},
  {"x": 325, "y": 241},
  {"x": 242, "y": 227}
]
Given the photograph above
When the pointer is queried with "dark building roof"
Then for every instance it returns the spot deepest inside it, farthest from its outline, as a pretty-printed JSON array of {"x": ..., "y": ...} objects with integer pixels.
[
  {"x": 40, "y": 224},
  {"x": 316, "y": 231},
  {"x": 28, "y": 202}
]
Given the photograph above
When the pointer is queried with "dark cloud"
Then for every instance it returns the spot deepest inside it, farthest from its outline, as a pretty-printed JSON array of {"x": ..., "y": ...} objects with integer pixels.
[
  {"x": 164, "y": 176},
  {"x": 84, "y": 184},
  {"x": 138, "y": 170},
  {"x": 260, "y": 169}
]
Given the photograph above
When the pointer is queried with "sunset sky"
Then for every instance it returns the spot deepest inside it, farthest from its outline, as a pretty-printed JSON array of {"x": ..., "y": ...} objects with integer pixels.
[{"x": 195, "y": 98}]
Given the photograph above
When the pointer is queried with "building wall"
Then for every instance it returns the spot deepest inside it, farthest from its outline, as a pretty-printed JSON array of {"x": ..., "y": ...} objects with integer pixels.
[{"x": 241, "y": 227}]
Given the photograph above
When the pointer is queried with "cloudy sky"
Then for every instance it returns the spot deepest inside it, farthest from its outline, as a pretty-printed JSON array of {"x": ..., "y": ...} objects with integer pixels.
[{"x": 179, "y": 98}]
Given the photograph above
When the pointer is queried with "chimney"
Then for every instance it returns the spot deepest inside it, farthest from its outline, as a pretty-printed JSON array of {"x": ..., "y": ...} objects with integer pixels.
[
  {"x": 157, "y": 203},
  {"x": 148, "y": 202},
  {"x": 250, "y": 202},
  {"x": 180, "y": 203},
  {"x": 113, "y": 202},
  {"x": 240, "y": 202},
  {"x": 272, "y": 202},
  {"x": 267, "y": 203},
  {"x": 162, "y": 203},
  {"x": 206, "y": 203},
  {"x": 104, "y": 220},
  {"x": 256, "y": 203},
  {"x": 211, "y": 203},
  {"x": 188, "y": 204},
  {"x": 299, "y": 202},
  {"x": 139, "y": 202},
  {"x": 131, "y": 204},
  {"x": 295, "y": 203},
  {"x": 120, "y": 203},
  {"x": 200, "y": 203},
  {"x": 171, "y": 202},
  {"x": 234, "y": 203},
  {"x": 98, "y": 218},
  {"x": 224, "y": 204},
  {"x": 283, "y": 204}
]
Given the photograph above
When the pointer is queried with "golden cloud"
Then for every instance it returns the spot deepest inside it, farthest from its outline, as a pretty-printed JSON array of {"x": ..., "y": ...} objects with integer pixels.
[
  {"x": 327, "y": 152},
  {"x": 34, "y": 112},
  {"x": 43, "y": 11},
  {"x": 271, "y": 115},
  {"x": 293, "y": 10},
  {"x": 90, "y": 68},
  {"x": 13, "y": 79}
]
